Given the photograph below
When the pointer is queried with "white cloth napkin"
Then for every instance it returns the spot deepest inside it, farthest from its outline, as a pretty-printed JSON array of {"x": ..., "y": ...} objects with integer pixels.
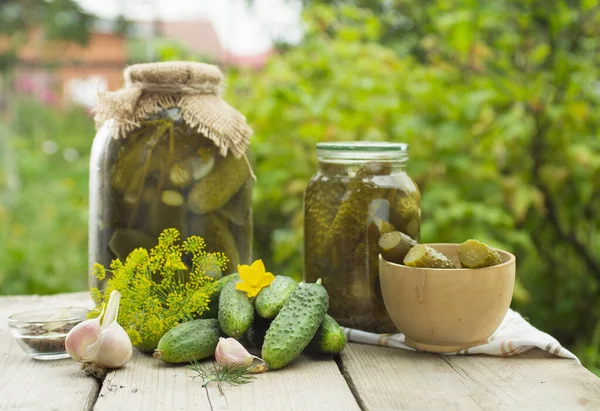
[{"x": 514, "y": 336}]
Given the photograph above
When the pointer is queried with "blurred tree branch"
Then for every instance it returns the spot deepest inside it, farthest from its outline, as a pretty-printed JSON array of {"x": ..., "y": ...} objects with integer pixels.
[{"x": 568, "y": 236}]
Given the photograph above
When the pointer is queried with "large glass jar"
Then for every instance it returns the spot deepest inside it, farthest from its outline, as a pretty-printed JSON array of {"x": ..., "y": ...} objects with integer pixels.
[
  {"x": 360, "y": 191},
  {"x": 161, "y": 175}
]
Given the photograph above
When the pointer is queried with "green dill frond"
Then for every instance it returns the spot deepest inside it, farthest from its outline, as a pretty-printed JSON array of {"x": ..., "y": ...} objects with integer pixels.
[
  {"x": 233, "y": 375},
  {"x": 158, "y": 290},
  {"x": 99, "y": 271}
]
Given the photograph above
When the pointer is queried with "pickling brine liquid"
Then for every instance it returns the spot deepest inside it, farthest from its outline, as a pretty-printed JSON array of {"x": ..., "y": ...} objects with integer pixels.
[
  {"x": 359, "y": 192},
  {"x": 165, "y": 175}
]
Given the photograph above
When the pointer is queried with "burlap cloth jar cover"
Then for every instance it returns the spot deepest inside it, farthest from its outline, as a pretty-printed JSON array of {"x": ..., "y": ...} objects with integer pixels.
[{"x": 193, "y": 87}]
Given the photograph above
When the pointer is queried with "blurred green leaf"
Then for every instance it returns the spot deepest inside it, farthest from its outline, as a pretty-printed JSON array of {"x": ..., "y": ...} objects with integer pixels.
[{"x": 498, "y": 102}]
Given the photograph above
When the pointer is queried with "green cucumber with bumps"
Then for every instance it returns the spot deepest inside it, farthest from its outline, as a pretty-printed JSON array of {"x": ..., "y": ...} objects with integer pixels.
[
  {"x": 236, "y": 311},
  {"x": 295, "y": 325},
  {"x": 329, "y": 339},
  {"x": 214, "y": 293},
  {"x": 271, "y": 298},
  {"x": 191, "y": 340}
]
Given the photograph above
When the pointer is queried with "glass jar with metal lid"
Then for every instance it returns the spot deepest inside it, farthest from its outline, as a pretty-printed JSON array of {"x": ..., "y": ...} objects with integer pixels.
[{"x": 360, "y": 191}]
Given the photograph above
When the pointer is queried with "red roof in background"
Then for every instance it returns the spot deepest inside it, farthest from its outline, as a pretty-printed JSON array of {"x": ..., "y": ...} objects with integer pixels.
[
  {"x": 102, "y": 48},
  {"x": 201, "y": 37},
  {"x": 252, "y": 61}
]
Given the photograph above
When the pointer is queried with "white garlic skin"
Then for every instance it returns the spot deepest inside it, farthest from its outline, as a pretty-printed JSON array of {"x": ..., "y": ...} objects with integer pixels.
[
  {"x": 105, "y": 344},
  {"x": 113, "y": 348},
  {"x": 230, "y": 352},
  {"x": 82, "y": 336}
]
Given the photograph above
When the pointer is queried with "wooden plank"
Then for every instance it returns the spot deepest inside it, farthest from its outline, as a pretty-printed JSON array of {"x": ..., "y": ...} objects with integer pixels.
[
  {"x": 534, "y": 378},
  {"x": 309, "y": 383},
  {"x": 380, "y": 378},
  {"x": 148, "y": 384},
  {"x": 28, "y": 384},
  {"x": 391, "y": 379}
]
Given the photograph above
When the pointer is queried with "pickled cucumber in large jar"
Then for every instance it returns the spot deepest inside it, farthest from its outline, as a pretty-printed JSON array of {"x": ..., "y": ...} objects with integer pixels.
[
  {"x": 170, "y": 153},
  {"x": 360, "y": 192}
]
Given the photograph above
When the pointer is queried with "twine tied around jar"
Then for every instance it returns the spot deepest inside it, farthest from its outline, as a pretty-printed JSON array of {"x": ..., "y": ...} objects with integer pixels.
[{"x": 195, "y": 88}]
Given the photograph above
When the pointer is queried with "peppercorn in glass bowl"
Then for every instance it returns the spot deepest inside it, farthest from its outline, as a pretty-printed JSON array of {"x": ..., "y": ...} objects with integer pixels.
[{"x": 42, "y": 333}]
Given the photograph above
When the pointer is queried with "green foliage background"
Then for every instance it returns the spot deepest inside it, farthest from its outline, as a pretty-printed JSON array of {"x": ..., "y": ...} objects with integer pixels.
[
  {"x": 43, "y": 163},
  {"x": 499, "y": 102},
  {"x": 43, "y": 200}
]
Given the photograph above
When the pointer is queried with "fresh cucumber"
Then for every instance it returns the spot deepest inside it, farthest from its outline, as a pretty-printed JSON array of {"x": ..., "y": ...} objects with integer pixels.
[
  {"x": 236, "y": 311},
  {"x": 329, "y": 339},
  {"x": 214, "y": 293},
  {"x": 295, "y": 325},
  {"x": 192, "y": 340},
  {"x": 271, "y": 298}
]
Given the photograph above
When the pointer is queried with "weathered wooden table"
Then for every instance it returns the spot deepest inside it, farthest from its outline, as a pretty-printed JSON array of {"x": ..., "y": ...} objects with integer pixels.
[{"x": 362, "y": 377}]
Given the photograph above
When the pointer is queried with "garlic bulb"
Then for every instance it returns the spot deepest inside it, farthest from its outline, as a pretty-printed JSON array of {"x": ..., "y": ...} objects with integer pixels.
[
  {"x": 100, "y": 343},
  {"x": 230, "y": 352}
]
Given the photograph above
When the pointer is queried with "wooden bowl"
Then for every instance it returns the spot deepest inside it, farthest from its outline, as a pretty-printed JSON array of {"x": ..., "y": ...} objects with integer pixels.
[{"x": 446, "y": 310}]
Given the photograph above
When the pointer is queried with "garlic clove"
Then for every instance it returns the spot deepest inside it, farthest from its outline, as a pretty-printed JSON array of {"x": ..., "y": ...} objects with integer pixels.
[
  {"x": 81, "y": 336},
  {"x": 230, "y": 352},
  {"x": 113, "y": 348},
  {"x": 101, "y": 342},
  {"x": 112, "y": 310}
]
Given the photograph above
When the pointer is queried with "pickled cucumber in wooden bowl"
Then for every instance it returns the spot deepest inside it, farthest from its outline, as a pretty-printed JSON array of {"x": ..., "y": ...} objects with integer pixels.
[
  {"x": 399, "y": 248},
  {"x": 443, "y": 309},
  {"x": 475, "y": 254}
]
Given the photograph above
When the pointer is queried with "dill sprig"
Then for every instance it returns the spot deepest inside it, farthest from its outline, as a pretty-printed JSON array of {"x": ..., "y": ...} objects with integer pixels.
[
  {"x": 233, "y": 375},
  {"x": 158, "y": 290}
]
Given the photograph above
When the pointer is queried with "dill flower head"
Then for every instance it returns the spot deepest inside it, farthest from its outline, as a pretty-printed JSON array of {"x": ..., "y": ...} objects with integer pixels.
[{"x": 158, "y": 291}]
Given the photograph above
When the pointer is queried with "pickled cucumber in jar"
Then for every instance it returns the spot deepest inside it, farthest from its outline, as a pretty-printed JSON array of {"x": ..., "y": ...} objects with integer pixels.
[
  {"x": 166, "y": 176},
  {"x": 360, "y": 192},
  {"x": 169, "y": 153}
]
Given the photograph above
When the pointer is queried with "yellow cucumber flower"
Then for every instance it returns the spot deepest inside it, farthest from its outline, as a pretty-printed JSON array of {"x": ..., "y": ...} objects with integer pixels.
[{"x": 254, "y": 278}]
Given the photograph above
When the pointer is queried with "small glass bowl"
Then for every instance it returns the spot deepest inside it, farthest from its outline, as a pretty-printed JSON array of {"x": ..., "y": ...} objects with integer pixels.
[{"x": 42, "y": 333}]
